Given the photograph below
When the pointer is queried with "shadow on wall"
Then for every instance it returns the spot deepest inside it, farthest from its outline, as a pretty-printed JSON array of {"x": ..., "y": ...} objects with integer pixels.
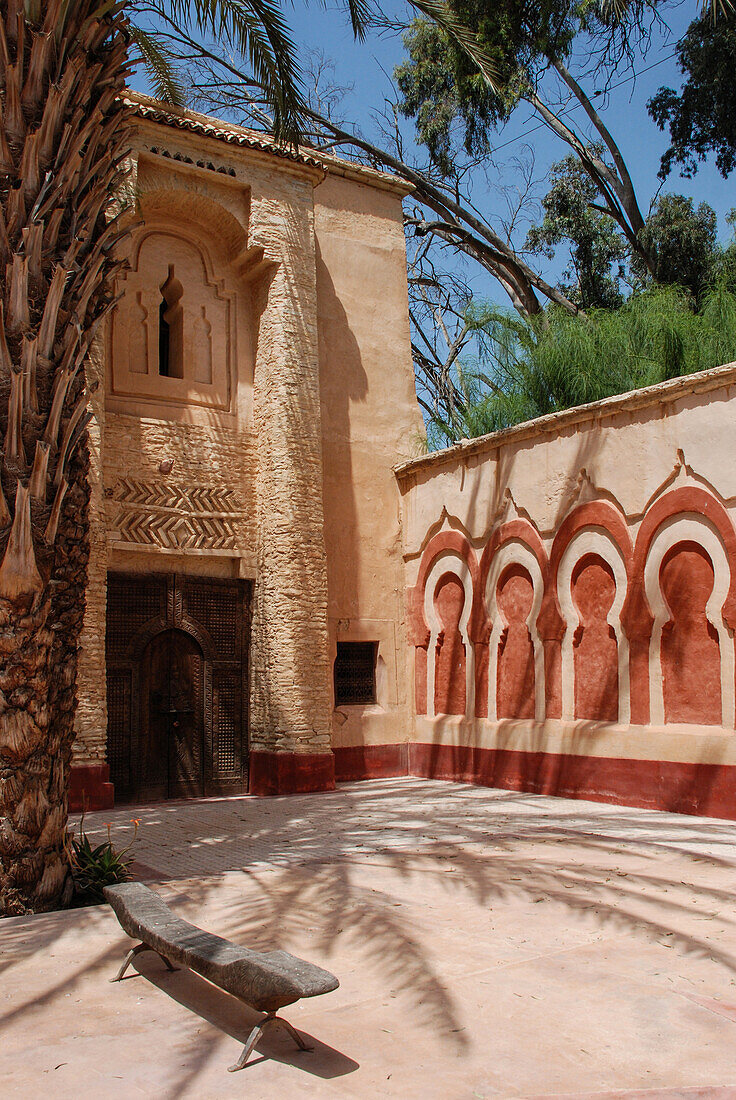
[{"x": 343, "y": 382}]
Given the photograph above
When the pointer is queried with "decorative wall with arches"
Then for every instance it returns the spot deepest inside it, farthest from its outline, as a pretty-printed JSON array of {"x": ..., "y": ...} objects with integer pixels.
[{"x": 604, "y": 624}]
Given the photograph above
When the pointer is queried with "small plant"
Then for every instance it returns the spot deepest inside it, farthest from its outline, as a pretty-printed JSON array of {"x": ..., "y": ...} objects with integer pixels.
[{"x": 93, "y": 868}]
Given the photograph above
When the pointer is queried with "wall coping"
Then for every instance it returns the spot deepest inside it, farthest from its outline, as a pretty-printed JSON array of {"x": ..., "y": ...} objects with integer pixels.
[
  {"x": 153, "y": 110},
  {"x": 662, "y": 393}
]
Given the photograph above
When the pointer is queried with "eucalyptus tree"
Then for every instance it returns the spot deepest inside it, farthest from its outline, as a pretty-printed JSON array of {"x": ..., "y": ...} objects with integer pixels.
[
  {"x": 65, "y": 134},
  {"x": 701, "y": 115},
  {"x": 513, "y": 52}
]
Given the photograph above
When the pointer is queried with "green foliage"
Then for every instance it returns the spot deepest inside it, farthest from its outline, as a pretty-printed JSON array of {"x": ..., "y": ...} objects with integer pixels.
[
  {"x": 702, "y": 116},
  {"x": 723, "y": 269},
  {"x": 595, "y": 244},
  {"x": 530, "y": 367},
  {"x": 436, "y": 93},
  {"x": 680, "y": 240},
  {"x": 93, "y": 868},
  {"x": 440, "y": 83}
]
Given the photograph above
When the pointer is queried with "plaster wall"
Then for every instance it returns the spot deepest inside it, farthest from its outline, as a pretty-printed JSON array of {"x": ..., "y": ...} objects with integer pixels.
[
  {"x": 628, "y": 453},
  {"x": 640, "y": 490},
  {"x": 370, "y": 420}
]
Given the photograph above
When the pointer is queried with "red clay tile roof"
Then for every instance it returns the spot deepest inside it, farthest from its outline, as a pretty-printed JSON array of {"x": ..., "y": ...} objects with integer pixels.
[
  {"x": 196, "y": 123},
  {"x": 222, "y": 131}
]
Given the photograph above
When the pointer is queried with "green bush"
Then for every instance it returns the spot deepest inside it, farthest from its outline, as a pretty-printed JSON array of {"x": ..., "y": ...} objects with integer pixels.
[{"x": 529, "y": 367}]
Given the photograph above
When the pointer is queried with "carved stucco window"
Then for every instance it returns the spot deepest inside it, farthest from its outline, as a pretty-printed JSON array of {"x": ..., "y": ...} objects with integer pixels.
[{"x": 173, "y": 332}]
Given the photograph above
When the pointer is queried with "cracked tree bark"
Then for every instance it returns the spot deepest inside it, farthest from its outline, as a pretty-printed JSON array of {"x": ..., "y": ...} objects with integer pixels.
[{"x": 64, "y": 137}]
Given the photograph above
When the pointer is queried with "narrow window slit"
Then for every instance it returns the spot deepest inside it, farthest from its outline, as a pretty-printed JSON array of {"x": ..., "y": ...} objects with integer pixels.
[{"x": 170, "y": 328}]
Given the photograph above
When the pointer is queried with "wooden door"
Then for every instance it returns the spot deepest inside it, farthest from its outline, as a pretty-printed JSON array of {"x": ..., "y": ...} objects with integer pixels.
[
  {"x": 173, "y": 726},
  {"x": 177, "y": 649}
]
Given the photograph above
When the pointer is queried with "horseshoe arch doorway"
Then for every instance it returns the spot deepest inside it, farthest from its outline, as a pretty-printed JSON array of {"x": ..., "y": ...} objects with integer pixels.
[{"x": 177, "y": 650}]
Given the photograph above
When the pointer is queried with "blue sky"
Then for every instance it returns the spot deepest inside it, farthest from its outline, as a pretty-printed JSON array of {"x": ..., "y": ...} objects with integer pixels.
[
  {"x": 641, "y": 142},
  {"x": 368, "y": 67}
]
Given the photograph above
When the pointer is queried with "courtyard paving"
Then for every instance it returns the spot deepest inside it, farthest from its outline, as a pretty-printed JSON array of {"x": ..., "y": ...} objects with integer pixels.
[{"x": 487, "y": 944}]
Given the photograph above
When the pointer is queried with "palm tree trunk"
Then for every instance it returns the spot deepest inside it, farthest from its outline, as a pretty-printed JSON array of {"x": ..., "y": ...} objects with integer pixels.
[{"x": 64, "y": 137}]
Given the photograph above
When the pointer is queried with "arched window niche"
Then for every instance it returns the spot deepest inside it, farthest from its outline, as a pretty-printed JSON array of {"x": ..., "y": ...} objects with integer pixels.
[
  {"x": 448, "y": 601},
  {"x": 691, "y": 653},
  {"x": 513, "y": 595},
  {"x": 591, "y": 587},
  {"x": 174, "y": 331}
]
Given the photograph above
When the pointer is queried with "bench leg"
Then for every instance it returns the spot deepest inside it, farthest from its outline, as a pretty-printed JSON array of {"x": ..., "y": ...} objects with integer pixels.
[
  {"x": 257, "y": 1032},
  {"x": 293, "y": 1032},
  {"x": 132, "y": 954},
  {"x": 248, "y": 1048},
  {"x": 169, "y": 967}
]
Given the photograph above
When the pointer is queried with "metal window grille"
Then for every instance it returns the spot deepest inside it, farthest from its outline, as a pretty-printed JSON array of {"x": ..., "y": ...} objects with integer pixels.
[
  {"x": 119, "y": 729},
  {"x": 226, "y": 762},
  {"x": 131, "y": 602},
  {"x": 355, "y": 673}
]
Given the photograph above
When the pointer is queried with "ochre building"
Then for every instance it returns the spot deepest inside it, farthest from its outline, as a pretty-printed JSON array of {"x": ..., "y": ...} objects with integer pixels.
[
  {"x": 256, "y": 391},
  {"x": 282, "y": 594}
]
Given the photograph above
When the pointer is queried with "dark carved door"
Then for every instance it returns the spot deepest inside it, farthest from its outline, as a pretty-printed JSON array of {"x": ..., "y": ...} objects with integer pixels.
[
  {"x": 173, "y": 733},
  {"x": 177, "y": 649}
]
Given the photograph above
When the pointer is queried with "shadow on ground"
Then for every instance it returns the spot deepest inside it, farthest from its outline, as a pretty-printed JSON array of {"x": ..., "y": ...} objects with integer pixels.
[{"x": 311, "y": 868}]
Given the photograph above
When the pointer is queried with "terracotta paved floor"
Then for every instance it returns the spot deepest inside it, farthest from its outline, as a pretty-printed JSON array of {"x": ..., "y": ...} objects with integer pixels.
[{"x": 487, "y": 943}]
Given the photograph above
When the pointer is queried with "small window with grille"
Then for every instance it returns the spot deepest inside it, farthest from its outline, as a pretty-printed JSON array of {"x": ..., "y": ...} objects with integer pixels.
[{"x": 355, "y": 673}]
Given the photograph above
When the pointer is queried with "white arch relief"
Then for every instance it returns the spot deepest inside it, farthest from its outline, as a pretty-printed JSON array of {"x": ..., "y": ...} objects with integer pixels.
[
  {"x": 449, "y": 562},
  {"x": 514, "y": 552},
  {"x": 689, "y": 527},
  {"x": 593, "y": 540}
]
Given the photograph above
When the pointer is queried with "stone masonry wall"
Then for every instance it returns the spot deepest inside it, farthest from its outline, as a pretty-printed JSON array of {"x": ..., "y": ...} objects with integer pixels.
[
  {"x": 140, "y": 499},
  {"x": 290, "y": 673},
  {"x": 244, "y": 495}
]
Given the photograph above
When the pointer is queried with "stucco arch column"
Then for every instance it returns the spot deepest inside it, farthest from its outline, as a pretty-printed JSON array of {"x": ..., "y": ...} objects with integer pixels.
[{"x": 291, "y": 697}]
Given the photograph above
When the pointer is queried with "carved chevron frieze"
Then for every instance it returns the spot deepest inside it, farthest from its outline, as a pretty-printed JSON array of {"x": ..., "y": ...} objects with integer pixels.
[
  {"x": 194, "y": 498},
  {"x": 176, "y": 517}
]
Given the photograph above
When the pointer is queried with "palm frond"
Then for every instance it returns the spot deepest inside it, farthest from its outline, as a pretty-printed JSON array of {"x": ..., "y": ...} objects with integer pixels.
[
  {"x": 361, "y": 12},
  {"x": 257, "y": 30},
  {"x": 616, "y": 11},
  {"x": 464, "y": 37},
  {"x": 160, "y": 68},
  {"x": 719, "y": 7}
]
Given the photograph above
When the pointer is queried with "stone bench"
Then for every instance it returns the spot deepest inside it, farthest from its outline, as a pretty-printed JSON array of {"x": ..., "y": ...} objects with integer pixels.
[{"x": 265, "y": 980}]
